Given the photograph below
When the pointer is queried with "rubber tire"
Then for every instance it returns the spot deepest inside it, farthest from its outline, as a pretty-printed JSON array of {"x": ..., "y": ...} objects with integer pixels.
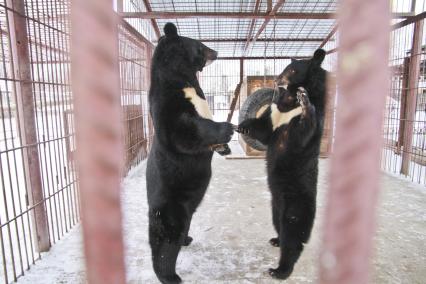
[{"x": 250, "y": 108}]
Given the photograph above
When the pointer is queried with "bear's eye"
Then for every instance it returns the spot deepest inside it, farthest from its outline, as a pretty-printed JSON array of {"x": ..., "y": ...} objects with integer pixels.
[{"x": 292, "y": 71}]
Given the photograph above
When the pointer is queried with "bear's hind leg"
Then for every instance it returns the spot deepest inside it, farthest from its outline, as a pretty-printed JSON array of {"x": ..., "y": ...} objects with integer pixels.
[
  {"x": 290, "y": 253},
  {"x": 296, "y": 225},
  {"x": 187, "y": 240},
  {"x": 166, "y": 235},
  {"x": 276, "y": 221},
  {"x": 164, "y": 257}
]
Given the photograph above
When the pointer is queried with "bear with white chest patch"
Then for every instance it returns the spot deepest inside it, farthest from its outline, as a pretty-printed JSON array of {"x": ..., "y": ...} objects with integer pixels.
[
  {"x": 292, "y": 128},
  {"x": 179, "y": 164}
]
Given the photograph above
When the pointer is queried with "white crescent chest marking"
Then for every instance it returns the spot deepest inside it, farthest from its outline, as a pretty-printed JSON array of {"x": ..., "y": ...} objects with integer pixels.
[
  {"x": 280, "y": 118},
  {"x": 200, "y": 104}
]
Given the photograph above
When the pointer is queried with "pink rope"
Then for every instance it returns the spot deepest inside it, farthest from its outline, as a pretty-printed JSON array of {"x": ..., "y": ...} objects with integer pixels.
[
  {"x": 354, "y": 174},
  {"x": 99, "y": 145}
]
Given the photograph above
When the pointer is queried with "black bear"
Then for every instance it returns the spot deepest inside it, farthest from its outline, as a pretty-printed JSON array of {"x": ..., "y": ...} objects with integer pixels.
[
  {"x": 292, "y": 128},
  {"x": 179, "y": 164}
]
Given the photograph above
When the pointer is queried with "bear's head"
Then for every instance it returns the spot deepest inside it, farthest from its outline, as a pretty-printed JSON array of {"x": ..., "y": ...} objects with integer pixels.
[
  {"x": 178, "y": 57},
  {"x": 298, "y": 71}
]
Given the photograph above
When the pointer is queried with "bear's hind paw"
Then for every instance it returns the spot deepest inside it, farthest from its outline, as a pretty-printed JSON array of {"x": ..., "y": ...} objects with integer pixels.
[
  {"x": 280, "y": 273},
  {"x": 172, "y": 279},
  {"x": 275, "y": 242},
  {"x": 187, "y": 241}
]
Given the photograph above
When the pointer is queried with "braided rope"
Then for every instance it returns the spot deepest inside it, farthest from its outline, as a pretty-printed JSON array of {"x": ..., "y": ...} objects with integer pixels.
[
  {"x": 354, "y": 174},
  {"x": 98, "y": 131}
]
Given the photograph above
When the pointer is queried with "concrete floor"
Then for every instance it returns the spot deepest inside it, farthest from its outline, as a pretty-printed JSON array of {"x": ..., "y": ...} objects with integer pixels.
[{"x": 233, "y": 225}]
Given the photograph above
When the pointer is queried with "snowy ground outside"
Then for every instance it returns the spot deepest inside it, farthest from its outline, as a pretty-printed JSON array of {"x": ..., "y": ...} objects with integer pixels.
[{"x": 231, "y": 231}]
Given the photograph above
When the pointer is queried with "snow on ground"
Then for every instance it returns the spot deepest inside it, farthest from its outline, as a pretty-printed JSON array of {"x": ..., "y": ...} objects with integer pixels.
[{"x": 231, "y": 231}]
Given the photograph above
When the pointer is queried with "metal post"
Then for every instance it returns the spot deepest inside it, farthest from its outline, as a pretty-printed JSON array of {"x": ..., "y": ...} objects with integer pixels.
[
  {"x": 26, "y": 117},
  {"x": 413, "y": 6},
  {"x": 95, "y": 73},
  {"x": 237, "y": 92},
  {"x": 411, "y": 102},
  {"x": 120, "y": 6},
  {"x": 328, "y": 135},
  {"x": 403, "y": 106},
  {"x": 241, "y": 70},
  {"x": 355, "y": 166}
]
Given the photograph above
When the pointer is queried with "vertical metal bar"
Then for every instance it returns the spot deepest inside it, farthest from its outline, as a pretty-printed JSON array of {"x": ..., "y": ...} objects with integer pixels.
[
  {"x": 26, "y": 114},
  {"x": 10, "y": 161},
  {"x": 42, "y": 118},
  {"x": 59, "y": 57},
  {"x": 237, "y": 92},
  {"x": 413, "y": 6},
  {"x": 328, "y": 135},
  {"x": 403, "y": 106},
  {"x": 411, "y": 102},
  {"x": 355, "y": 166},
  {"x": 120, "y": 6},
  {"x": 241, "y": 70},
  {"x": 95, "y": 74}
]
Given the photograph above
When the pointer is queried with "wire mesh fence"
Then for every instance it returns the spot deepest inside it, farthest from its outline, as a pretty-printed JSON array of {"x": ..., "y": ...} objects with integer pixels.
[
  {"x": 39, "y": 202},
  {"x": 134, "y": 60},
  {"x": 404, "y": 129}
]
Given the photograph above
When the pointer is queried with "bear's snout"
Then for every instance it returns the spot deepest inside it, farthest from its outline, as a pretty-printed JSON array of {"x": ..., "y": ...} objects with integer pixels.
[
  {"x": 282, "y": 80},
  {"x": 210, "y": 55}
]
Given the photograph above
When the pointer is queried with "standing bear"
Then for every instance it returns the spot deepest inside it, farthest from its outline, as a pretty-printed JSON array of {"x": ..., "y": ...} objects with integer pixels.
[
  {"x": 179, "y": 164},
  {"x": 292, "y": 128}
]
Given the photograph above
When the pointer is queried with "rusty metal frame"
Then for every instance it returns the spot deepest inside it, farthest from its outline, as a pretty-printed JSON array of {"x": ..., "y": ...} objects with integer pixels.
[
  {"x": 259, "y": 57},
  {"x": 329, "y": 36},
  {"x": 306, "y": 39},
  {"x": 272, "y": 14},
  {"x": 153, "y": 21},
  {"x": 409, "y": 20},
  {"x": 411, "y": 99},
  {"x": 251, "y": 28},
  {"x": 26, "y": 114},
  {"x": 237, "y": 92},
  {"x": 240, "y": 15}
]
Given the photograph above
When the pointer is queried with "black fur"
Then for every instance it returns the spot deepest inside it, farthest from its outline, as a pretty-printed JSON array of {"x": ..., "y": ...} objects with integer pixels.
[
  {"x": 179, "y": 164},
  {"x": 292, "y": 157}
]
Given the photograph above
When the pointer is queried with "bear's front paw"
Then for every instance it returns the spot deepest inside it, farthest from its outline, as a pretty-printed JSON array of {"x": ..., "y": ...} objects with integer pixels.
[
  {"x": 244, "y": 127},
  {"x": 222, "y": 149},
  {"x": 280, "y": 273},
  {"x": 225, "y": 132},
  {"x": 302, "y": 97}
]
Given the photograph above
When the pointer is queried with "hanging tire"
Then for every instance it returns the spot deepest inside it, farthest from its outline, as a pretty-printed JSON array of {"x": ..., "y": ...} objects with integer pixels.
[{"x": 253, "y": 107}]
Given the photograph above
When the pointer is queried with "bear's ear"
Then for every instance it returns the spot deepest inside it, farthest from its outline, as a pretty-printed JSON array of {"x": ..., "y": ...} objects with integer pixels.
[
  {"x": 170, "y": 30},
  {"x": 318, "y": 57}
]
